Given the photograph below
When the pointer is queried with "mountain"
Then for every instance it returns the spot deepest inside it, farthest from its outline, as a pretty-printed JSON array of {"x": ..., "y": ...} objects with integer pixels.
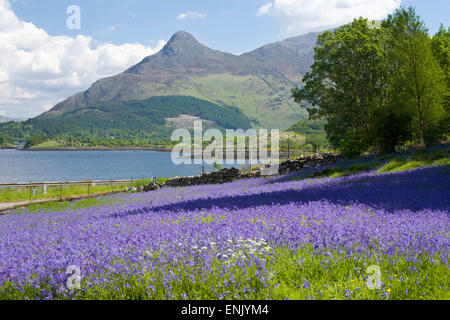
[
  {"x": 6, "y": 119},
  {"x": 258, "y": 83}
]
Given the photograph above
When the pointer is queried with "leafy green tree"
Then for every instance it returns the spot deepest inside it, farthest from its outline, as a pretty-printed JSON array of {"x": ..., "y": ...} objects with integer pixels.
[
  {"x": 309, "y": 127},
  {"x": 391, "y": 128},
  {"x": 347, "y": 83},
  {"x": 5, "y": 140},
  {"x": 35, "y": 140},
  {"x": 417, "y": 80},
  {"x": 317, "y": 141},
  {"x": 441, "y": 50}
]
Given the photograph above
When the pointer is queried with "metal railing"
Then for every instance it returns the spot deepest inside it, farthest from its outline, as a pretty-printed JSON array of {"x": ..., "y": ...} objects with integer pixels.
[{"x": 30, "y": 191}]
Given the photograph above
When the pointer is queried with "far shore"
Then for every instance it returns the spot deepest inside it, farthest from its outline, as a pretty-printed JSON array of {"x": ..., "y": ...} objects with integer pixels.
[
  {"x": 157, "y": 149},
  {"x": 282, "y": 153}
]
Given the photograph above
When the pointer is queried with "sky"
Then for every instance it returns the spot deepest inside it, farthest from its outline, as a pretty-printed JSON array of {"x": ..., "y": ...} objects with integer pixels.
[{"x": 47, "y": 56}]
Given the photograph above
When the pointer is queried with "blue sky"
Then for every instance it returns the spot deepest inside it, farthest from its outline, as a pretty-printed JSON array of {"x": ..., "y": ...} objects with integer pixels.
[
  {"x": 229, "y": 25},
  {"x": 43, "y": 62}
]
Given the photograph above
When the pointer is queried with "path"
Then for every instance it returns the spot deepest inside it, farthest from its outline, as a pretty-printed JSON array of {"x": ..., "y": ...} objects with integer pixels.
[{"x": 12, "y": 205}]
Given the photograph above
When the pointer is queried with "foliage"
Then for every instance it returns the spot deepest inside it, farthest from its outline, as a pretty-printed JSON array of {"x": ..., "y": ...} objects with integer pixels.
[
  {"x": 5, "y": 140},
  {"x": 314, "y": 131},
  {"x": 441, "y": 50},
  {"x": 309, "y": 127},
  {"x": 391, "y": 128},
  {"x": 417, "y": 81},
  {"x": 35, "y": 140},
  {"x": 317, "y": 141},
  {"x": 379, "y": 88},
  {"x": 346, "y": 83},
  {"x": 217, "y": 166}
]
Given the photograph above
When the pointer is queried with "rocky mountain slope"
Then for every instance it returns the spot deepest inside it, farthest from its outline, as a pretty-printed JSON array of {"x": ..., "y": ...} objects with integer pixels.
[{"x": 257, "y": 82}]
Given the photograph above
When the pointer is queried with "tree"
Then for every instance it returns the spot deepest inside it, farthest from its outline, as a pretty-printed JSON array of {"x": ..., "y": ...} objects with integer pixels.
[
  {"x": 347, "y": 83},
  {"x": 317, "y": 141},
  {"x": 441, "y": 49},
  {"x": 5, "y": 140},
  {"x": 35, "y": 140},
  {"x": 417, "y": 80},
  {"x": 391, "y": 128},
  {"x": 440, "y": 45}
]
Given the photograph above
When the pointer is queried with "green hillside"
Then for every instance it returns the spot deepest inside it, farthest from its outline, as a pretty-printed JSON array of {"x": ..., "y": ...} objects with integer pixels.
[{"x": 129, "y": 119}]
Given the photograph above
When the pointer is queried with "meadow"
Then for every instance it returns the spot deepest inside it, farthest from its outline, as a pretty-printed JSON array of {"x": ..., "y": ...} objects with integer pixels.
[{"x": 290, "y": 237}]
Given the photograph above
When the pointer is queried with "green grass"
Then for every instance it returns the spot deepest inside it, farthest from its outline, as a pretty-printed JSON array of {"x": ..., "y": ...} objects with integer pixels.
[
  {"x": 60, "y": 206},
  {"x": 395, "y": 162},
  {"x": 251, "y": 94},
  {"x": 17, "y": 194},
  {"x": 343, "y": 171},
  {"x": 48, "y": 144},
  {"x": 146, "y": 181},
  {"x": 142, "y": 182},
  {"x": 424, "y": 158}
]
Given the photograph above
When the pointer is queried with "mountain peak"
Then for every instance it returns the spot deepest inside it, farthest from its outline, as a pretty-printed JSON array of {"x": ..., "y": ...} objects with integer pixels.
[
  {"x": 182, "y": 36},
  {"x": 182, "y": 43}
]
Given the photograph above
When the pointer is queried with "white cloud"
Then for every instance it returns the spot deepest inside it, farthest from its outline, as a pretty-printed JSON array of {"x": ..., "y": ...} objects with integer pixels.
[
  {"x": 38, "y": 70},
  {"x": 191, "y": 15},
  {"x": 265, "y": 9},
  {"x": 303, "y": 16}
]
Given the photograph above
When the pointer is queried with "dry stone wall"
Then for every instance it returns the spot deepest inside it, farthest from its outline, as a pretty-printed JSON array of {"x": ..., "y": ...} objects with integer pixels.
[{"x": 228, "y": 175}]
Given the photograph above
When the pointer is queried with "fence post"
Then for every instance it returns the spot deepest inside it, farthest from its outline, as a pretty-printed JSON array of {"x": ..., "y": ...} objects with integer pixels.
[{"x": 289, "y": 150}]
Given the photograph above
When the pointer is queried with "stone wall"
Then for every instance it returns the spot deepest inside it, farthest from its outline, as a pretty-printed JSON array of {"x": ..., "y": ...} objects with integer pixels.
[
  {"x": 217, "y": 177},
  {"x": 228, "y": 175},
  {"x": 304, "y": 162}
]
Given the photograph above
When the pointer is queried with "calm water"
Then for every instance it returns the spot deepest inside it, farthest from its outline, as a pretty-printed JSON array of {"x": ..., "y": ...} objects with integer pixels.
[{"x": 48, "y": 166}]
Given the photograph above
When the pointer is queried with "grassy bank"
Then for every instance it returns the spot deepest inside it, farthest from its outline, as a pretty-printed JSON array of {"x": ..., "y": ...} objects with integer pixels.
[
  {"x": 18, "y": 194},
  {"x": 396, "y": 162}
]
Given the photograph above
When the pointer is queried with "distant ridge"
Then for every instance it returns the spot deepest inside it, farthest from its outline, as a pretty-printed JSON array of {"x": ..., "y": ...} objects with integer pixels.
[{"x": 6, "y": 119}]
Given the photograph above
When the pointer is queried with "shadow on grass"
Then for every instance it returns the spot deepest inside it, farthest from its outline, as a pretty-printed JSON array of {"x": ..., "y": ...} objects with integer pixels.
[{"x": 425, "y": 188}]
